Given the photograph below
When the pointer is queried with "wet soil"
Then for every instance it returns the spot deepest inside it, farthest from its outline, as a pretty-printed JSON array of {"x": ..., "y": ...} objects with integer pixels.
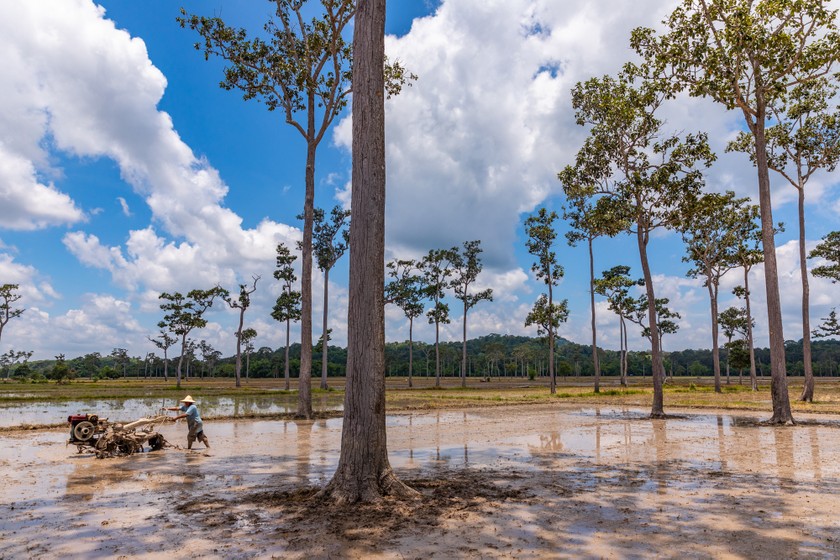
[{"x": 519, "y": 482}]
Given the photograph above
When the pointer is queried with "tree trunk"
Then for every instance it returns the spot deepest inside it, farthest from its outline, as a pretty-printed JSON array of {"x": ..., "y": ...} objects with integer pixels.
[
  {"x": 658, "y": 408},
  {"x": 464, "y": 347},
  {"x": 239, "y": 348},
  {"x": 595, "y": 362},
  {"x": 551, "y": 371},
  {"x": 753, "y": 376},
  {"x": 325, "y": 336},
  {"x": 808, "y": 388},
  {"x": 410, "y": 351},
  {"x": 288, "y": 331},
  {"x": 437, "y": 353},
  {"x": 305, "y": 377},
  {"x": 364, "y": 472},
  {"x": 622, "y": 333},
  {"x": 715, "y": 350},
  {"x": 778, "y": 381}
]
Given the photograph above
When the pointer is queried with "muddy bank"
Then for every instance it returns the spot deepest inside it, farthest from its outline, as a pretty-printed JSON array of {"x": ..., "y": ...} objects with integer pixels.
[{"x": 519, "y": 482}]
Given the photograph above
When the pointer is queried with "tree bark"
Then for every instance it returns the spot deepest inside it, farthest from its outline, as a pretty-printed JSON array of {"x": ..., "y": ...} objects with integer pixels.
[
  {"x": 464, "y": 348},
  {"x": 325, "y": 336},
  {"x": 364, "y": 472},
  {"x": 808, "y": 389},
  {"x": 657, "y": 373},
  {"x": 551, "y": 370},
  {"x": 238, "y": 367},
  {"x": 595, "y": 362},
  {"x": 410, "y": 351},
  {"x": 778, "y": 380},
  {"x": 305, "y": 377},
  {"x": 753, "y": 376},
  {"x": 286, "y": 368},
  {"x": 713, "y": 297}
]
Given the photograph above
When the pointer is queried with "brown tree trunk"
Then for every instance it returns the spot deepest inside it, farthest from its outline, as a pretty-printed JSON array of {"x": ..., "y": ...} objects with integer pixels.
[
  {"x": 778, "y": 380},
  {"x": 364, "y": 472},
  {"x": 410, "y": 351},
  {"x": 715, "y": 350},
  {"x": 286, "y": 372},
  {"x": 551, "y": 371},
  {"x": 657, "y": 373},
  {"x": 753, "y": 376},
  {"x": 595, "y": 362},
  {"x": 324, "y": 344},
  {"x": 464, "y": 348},
  {"x": 238, "y": 367},
  {"x": 305, "y": 377},
  {"x": 808, "y": 388}
]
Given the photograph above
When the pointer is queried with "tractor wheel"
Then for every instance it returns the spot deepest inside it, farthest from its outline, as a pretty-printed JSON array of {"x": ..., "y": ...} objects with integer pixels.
[{"x": 83, "y": 431}]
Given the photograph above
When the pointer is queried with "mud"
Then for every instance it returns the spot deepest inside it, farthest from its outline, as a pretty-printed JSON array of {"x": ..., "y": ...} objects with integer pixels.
[{"x": 519, "y": 482}]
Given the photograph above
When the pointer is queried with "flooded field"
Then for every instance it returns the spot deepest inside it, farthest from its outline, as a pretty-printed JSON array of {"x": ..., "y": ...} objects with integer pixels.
[
  {"x": 35, "y": 413},
  {"x": 521, "y": 482}
]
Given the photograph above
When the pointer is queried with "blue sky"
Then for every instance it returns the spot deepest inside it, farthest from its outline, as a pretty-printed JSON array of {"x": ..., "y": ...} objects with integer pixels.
[{"x": 126, "y": 171}]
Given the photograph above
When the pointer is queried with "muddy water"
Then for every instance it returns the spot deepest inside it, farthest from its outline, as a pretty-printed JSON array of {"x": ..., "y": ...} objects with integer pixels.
[
  {"x": 48, "y": 414},
  {"x": 599, "y": 483}
]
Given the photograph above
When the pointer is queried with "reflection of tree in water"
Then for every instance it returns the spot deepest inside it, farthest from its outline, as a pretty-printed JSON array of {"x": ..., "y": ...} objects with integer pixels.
[
  {"x": 783, "y": 439},
  {"x": 304, "y": 449},
  {"x": 813, "y": 437},
  {"x": 721, "y": 436}
]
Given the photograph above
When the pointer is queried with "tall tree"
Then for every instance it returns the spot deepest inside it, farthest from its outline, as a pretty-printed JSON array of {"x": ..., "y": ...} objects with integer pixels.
[
  {"x": 466, "y": 266},
  {"x": 182, "y": 314},
  {"x": 241, "y": 303},
  {"x": 547, "y": 315},
  {"x": 8, "y": 296},
  {"x": 587, "y": 225},
  {"x": 331, "y": 240},
  {"x": 164, "y": 342},
  {"x": 748, "y": 55},
  {"x": 711, "y": 231},
  {"x": 437, "y": 269},
  {"x": 642, "y": 175},
  {"x": 287, "y": 306},
  {"x": 804, "y": 139},
  {"x": 304, "y": 69},
  {"x": 405, "y": 291},
  {"x": 615, "y": 285},
  {"x": 364, "y": 472}
]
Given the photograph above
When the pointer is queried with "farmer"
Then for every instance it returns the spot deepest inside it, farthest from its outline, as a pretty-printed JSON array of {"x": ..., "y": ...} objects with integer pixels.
[{"x": 196, "y": 427}]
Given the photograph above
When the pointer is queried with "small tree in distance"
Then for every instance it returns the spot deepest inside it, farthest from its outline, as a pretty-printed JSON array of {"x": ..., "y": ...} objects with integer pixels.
[
  {"x": 164, "y": 342},
  {"x": 465, "y": 269},
  {"x": 405, "y": 291},
  {"x": 437, "y": 268},
  {"x": 185, "y": 313},
  {"x": 242, "y": 303},
  {"x": 287, "y": 306},
  {"x": 331, "y": 239},
  {"x": 546, "y": 314}
]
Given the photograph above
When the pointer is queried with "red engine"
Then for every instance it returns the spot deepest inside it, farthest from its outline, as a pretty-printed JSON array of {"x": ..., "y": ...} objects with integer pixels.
[{"x": 83, "y": 427}]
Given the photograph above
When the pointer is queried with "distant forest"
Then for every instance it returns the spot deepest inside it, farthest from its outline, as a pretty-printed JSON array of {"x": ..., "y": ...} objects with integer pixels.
[{"x": 488, "y": 356}]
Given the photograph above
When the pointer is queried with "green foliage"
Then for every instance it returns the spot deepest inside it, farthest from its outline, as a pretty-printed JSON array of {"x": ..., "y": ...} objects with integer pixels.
[
  {"x": 8, "y": 296},
  {"x": 326, "y": 248},
  {"x": 828, "y": 250},
  {"x": 287, "y": 306}
]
